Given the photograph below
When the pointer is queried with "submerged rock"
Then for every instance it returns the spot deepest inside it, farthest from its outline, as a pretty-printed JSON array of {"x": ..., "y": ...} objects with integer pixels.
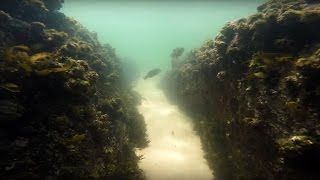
[
  {"x": 53, "y": 74},
  {"x": 254, "y": 96},
  {"x": 10, "y": 111}
]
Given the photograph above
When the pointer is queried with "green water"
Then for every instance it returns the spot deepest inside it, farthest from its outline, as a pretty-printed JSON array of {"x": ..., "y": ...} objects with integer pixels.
[{"x": 146, "y": 32}]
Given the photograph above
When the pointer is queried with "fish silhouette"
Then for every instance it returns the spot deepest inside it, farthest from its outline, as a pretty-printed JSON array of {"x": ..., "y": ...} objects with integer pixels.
[{"x": 152, "y": 73}]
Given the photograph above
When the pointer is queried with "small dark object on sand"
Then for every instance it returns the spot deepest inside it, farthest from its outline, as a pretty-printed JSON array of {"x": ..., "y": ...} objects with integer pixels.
[{"x": 152, "y": 73}]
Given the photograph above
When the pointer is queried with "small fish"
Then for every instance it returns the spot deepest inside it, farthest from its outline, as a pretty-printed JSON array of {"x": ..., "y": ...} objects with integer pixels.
[{"x": 152, "y": 73}]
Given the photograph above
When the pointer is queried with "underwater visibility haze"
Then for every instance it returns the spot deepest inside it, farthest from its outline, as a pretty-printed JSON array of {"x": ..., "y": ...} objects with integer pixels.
[
  {"x": 160, "y": 90},
  {"x": 147, "y": 31}
]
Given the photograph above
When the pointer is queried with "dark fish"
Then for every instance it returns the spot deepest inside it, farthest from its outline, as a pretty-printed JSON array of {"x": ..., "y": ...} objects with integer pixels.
[
  {"x": 152, "y": 73},
  {"x": 177, "y": 52}
]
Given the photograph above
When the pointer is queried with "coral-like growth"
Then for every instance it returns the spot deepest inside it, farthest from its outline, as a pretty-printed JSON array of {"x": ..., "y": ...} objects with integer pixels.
[
  {"x": 253, "y": 93},
  {"x": 54, "y": 76}
]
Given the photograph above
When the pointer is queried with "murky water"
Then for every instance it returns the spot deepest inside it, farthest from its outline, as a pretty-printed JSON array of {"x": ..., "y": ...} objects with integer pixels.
[
  {"x": 144, "y": 35},
  {"x": 148, "y": 30},
  {"x": 67, "y": 110},
  {"x": 175, "y": 150}
]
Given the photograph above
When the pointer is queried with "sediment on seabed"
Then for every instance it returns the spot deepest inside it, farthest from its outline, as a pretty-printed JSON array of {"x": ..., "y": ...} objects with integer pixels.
[
  {"x": 174, "y": 151},
  {"x": 253, "y": 94}
]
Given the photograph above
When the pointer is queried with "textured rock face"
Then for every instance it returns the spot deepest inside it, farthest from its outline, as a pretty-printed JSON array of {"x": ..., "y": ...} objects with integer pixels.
[
  {"x": 254, "y": 93},
  {"x": 64, "y": 112}
]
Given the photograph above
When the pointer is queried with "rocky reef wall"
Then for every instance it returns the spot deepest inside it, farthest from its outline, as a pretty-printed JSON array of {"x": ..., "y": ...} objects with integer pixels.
[
  {"x": 254, "y": 93},
  {"x": 64, "y": 111}
]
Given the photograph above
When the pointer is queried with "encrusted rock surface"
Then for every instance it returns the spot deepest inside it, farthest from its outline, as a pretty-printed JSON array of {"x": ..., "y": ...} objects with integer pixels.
[
  {"x": 64, "y": 112},
  {"x": 254, "y": 93}
]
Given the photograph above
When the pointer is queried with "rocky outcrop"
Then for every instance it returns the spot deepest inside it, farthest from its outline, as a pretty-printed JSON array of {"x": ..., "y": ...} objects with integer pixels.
[
  {"x": 64, "y": 112},
  {"x": 254, "y": 93}
]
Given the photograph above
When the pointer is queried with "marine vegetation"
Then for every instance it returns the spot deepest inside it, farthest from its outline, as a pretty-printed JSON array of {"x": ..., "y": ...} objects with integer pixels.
[
  {"x": 254, "y": 93},
  {"x": 64, "y": 111}
]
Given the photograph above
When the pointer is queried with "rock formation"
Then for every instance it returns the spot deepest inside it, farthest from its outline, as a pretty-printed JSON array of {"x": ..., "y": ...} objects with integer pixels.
[
  {"x": 64, "y": 113},
  {"x": 254, "y": 93}
]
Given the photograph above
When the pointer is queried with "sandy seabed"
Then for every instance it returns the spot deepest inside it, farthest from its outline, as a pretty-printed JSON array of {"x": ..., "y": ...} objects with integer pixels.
[{"x": 174, "y": 152}]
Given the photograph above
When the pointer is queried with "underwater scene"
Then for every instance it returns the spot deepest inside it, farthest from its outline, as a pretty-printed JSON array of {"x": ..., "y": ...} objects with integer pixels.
[{"x": 160, "y": 89}]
